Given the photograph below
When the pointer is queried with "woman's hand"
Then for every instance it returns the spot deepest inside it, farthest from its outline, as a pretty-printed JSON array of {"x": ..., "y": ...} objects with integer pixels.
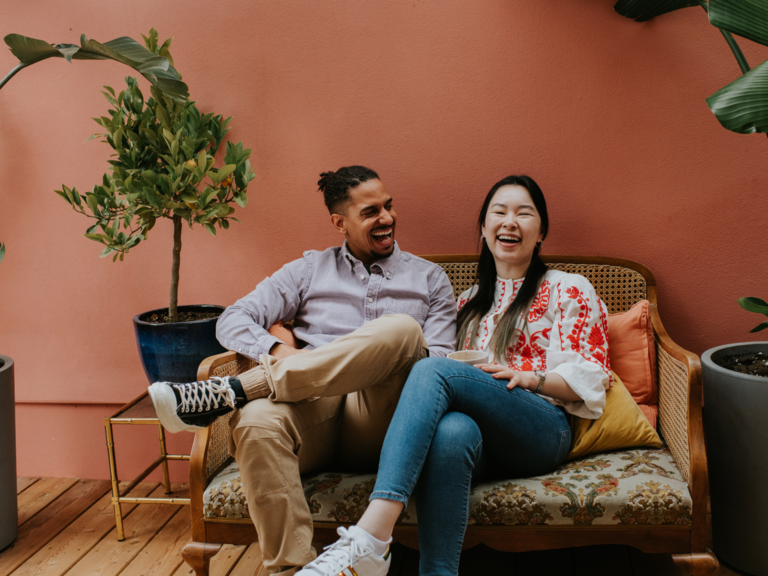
[{"x": 525, "y": 380}]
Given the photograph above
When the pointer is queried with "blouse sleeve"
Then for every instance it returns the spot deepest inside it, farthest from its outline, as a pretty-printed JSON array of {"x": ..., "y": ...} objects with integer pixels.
[{"x": 578, "y": 346}]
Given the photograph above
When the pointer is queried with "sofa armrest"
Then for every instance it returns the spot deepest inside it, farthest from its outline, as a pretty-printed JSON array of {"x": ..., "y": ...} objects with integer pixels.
[
  {"x": 210, "y": 447},
  {"x": 680, "y": 418}
]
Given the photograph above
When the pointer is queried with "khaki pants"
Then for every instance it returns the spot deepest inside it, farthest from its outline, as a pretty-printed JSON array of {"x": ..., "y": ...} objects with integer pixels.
[{"x": 345, "y": 390}]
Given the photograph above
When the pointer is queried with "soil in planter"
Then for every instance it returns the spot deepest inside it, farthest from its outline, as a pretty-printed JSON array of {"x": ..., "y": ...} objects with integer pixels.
[
  {"x": 753, "y": 364},
  {"x": 183, "y": 317}
]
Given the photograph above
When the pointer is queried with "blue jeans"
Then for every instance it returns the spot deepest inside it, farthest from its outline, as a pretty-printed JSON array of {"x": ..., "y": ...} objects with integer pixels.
[{"x": 450, "y": 419}]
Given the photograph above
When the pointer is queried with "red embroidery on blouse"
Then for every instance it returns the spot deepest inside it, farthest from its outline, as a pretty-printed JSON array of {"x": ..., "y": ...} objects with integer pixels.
[
  {"x": 540, "y": 303},
  {"x": 594, "y": 349},
  {"x": 462, "y": 302},
  {"x": 528, "y": 356}
]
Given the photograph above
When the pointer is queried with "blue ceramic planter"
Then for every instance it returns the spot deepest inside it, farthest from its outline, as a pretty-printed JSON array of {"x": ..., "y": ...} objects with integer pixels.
[{"x": 172, "y": 352}]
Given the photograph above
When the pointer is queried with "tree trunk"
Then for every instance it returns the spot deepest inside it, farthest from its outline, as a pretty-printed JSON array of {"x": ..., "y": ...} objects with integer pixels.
[{"x": 173, "y": 309}]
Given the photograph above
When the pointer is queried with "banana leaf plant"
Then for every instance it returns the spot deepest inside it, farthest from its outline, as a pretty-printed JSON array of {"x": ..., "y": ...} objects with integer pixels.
[
  {"x": 742, "y": 105},
  {"x": 162, "y": 167},
  {"x": 155, "y": 65}
]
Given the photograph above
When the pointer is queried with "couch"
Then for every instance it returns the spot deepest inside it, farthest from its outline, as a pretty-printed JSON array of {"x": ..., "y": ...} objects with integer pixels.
[{"x": 652, "y": 499}]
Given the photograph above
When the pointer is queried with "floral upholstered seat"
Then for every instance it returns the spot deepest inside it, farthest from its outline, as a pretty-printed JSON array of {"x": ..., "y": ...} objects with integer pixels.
[{"x": 632, "y": 487}]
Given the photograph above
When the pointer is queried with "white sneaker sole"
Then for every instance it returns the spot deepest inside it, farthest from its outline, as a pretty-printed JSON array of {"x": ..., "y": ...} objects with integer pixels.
[{"x": 164, "y": 401}]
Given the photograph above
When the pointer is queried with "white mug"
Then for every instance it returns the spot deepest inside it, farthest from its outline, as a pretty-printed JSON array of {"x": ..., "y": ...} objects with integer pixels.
[{"x": 470, "y": 357}]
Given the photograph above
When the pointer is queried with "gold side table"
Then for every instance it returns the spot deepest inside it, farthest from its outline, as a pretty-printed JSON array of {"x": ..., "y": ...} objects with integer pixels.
[{"x": 139, "y": 411}]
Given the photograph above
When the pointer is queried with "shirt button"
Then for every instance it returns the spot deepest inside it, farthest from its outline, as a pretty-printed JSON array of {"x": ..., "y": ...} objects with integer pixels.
[
  {"x": 370, "y": 299},
  {"x": 362, "y": 276},
  {"x": 388, "y": 274}
]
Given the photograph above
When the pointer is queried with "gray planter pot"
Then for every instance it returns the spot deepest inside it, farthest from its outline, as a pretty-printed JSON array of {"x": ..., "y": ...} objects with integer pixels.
[
  {"x": 736, "y": 428},
  {"x": 8, "y": 508}
]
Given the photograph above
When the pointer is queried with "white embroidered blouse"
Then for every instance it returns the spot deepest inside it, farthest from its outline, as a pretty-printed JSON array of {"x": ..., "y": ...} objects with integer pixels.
[{"x": 566, "y": 332}]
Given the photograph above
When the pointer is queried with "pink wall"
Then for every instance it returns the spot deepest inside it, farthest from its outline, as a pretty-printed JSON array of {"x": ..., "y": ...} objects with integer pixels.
[{"x": 442, "y": 98}]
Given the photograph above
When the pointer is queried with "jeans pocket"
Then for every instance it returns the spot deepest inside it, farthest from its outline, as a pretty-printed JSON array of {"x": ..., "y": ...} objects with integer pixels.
[{"x": 565, "y": 447}]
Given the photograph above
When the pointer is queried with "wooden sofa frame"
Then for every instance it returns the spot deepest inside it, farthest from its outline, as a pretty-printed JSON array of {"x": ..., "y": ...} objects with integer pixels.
[{"x": 620, "y": 283}]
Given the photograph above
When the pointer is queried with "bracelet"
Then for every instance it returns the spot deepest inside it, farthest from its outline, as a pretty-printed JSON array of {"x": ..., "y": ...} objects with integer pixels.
[{"x": 541, "y": 376}]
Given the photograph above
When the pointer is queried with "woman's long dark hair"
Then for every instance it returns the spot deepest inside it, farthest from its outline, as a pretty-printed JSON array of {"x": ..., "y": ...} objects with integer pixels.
[{"x": 484, "y": 300}]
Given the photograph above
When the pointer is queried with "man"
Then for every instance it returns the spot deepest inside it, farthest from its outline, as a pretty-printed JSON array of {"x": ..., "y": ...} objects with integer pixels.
[{"x": 365, "y": 312}]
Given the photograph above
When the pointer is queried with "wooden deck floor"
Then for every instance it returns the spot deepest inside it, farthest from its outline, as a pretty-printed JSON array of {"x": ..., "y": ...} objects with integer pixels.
[{"x": 67, "y": 526}]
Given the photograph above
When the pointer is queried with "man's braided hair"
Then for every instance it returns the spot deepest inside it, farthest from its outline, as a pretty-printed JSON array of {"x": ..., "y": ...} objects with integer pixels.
[{"x": 335, "y": 186}]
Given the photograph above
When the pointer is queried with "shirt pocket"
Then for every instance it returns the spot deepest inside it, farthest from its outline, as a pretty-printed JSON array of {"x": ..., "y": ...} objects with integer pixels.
[{"x": 416, "y": 310}]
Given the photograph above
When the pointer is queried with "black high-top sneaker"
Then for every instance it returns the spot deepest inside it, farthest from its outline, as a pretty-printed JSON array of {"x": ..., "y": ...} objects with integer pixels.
[{"x": 194, "y": 406}]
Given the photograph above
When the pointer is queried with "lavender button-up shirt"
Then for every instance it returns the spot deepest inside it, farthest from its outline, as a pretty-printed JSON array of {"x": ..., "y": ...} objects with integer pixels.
[{"x": 329, "y": 294}]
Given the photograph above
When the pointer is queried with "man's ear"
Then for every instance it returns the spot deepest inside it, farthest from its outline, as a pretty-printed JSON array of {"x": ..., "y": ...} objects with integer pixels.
[{"x": 339, "y": 223}]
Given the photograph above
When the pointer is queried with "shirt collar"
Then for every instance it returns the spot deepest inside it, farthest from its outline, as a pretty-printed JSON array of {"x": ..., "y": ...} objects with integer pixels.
[{"x": 387, "y": 265}]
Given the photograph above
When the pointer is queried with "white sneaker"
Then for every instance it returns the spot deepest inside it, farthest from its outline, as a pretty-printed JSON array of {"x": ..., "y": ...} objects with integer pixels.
[{"x": 351, "y": 555}]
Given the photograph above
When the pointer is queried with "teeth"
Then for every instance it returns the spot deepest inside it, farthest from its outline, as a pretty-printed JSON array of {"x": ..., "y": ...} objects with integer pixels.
[
  {"x": 383, "y": 233},
  {"x": 511, "y": 238}
]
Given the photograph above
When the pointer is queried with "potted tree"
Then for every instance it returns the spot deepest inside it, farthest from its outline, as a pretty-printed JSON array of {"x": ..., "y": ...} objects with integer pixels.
[
  {"x": 164, "y": 167},
  {"x": 734, "y": 375},
  {"x": 155, "y": 67}
]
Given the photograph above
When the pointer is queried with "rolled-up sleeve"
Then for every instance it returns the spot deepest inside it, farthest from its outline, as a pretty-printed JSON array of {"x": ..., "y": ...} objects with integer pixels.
[
  {"x": 243, "y": 326},
  {"x": 578, "y": 347},
  {"x": 440, "y": 325}
]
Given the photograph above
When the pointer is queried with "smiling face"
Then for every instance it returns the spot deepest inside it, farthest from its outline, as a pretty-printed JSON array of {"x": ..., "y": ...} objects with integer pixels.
[
  {"x": 511, "y": 229},
  {"x": 368, "y": 222}
]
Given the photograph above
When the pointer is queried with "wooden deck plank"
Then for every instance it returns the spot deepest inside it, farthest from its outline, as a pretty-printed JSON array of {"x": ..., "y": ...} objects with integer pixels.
[
  {"x": 109, "y": 557},
  {"x": 602, "y": 561},
  {"x": 545, "y": 563},
  {"x": 22, "y": 483},
  {"x": 77, "y": 539},
  {"x": 40, "y": 494},
  {"x": 221, "y": 564},
  {"x": 45, "y": 525},
  {"x": 162, "y": 556},
  {"x": 250, "y": 562}
]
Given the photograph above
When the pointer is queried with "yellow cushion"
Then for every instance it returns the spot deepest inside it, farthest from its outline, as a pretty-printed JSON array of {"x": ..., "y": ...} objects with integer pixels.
[{"x": 622, "y": 425}]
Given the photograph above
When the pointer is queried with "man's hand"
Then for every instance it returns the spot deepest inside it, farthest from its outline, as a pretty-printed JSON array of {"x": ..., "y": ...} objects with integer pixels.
[
  {"x": 281, "y": 351},
  {"x": 525, "y": 380}
]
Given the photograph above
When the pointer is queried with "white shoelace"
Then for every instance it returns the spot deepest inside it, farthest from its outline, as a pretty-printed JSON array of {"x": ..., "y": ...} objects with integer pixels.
[
  {"x": 210, "y": 392},
  {"x": 342, "y": 553}
]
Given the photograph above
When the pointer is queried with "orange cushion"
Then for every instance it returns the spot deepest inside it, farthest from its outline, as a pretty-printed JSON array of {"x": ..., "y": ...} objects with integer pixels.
[
  {"x": 633, "y": 356},
  {"x": 281, "y": 332}
]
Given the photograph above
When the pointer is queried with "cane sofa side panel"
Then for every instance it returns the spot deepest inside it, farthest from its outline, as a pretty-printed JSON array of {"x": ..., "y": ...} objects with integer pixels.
[{"x": 620, "y": 283}]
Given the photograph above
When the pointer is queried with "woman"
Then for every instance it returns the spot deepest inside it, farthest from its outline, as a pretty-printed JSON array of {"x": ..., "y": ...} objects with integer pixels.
[{"x": 546, "y": 334}]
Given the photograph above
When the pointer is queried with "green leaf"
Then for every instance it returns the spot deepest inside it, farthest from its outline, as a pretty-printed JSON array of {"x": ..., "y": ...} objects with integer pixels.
[
  {"x": 643, "y": 10},
  {"x": 93, "y": 203},
  {"x": 106, "y": 252},
  {"x": 124, "y": 50},
  {"x": 761, "y": 326},
  {"x": 2, "y": 251},
  {"x": 752, "y": 304},
  {"x": 742, "y": 105},
  {"x": 225, "y": 171},
  {"x": 210, "y": 228},
  {"x": 747, "y": 18}
]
